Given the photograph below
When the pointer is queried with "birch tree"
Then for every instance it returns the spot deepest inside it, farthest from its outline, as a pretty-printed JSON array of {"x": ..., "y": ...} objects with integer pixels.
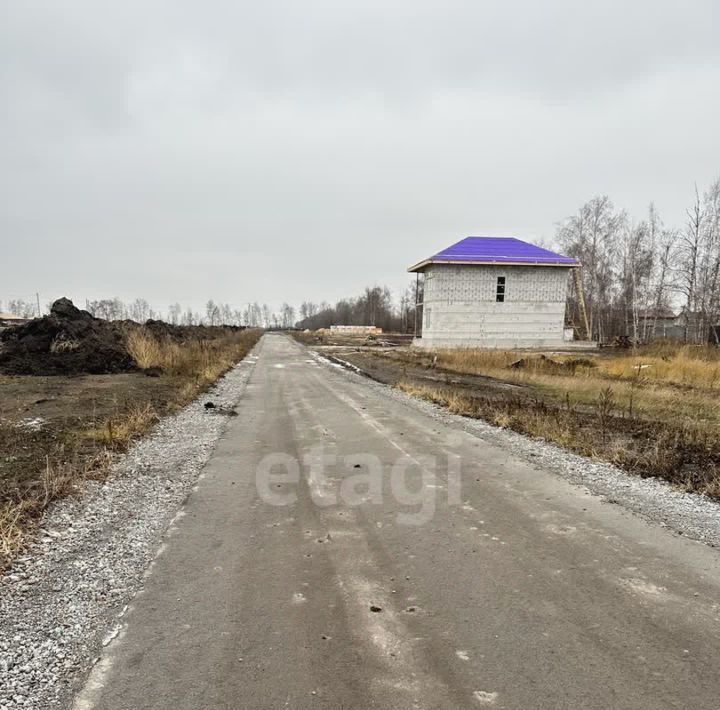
[{"x": 591, "y": 236}]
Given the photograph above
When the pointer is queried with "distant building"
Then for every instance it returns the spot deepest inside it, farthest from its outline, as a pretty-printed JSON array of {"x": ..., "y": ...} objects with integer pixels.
[
  {"x": 8, "y": 319},
  {"x": 660, "y": 324},
  {"x": 494, "y": 292},
  {"x": 356, "y": 329}
]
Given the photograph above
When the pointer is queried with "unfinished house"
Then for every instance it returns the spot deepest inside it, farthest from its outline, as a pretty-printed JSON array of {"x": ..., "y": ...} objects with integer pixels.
[{"x": 493, "y": 292}]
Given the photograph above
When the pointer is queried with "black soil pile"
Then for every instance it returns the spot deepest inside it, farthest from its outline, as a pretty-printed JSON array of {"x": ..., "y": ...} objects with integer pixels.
[
  {"x": 66, "y": 342},
  {"x": 182, "y": 333}
]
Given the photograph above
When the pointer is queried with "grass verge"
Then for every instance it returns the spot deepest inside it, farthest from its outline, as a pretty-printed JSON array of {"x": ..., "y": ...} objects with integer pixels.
[{"x": 683, "y": 454}]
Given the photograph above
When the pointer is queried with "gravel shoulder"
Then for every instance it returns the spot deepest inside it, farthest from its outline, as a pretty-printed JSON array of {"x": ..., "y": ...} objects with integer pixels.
[
  {"x": 61, "y": 601},
  {"x": 691, "y": 515}
]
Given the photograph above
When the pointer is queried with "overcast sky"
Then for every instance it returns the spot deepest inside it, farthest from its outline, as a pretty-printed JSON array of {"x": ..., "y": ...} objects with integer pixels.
[{"x": 282, "y": 150}]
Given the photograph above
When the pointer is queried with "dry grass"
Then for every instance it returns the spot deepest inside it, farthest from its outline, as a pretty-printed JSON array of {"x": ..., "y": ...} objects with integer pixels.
[
  {"x": 510, "y": 413},
  {"x": 38, "y": 467},
  {"x": 117, "y": 432},
  {"x": 686, "y": 455},
  {"x": 48, "y": 470},
  {"x": 686, "y": 365},
  {"x": 202, "y": 360},
  {"x": 665, "y": 383},
  {"x": 654, "y": 411},
  {"x": 14, "y": 524},
  {"x": 146, "y": 350}
]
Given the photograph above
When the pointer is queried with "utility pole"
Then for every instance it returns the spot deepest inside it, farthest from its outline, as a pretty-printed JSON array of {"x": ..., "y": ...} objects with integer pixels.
[
  {"x": 37, "y": 298},
  {"x": 417, "y": 280}
]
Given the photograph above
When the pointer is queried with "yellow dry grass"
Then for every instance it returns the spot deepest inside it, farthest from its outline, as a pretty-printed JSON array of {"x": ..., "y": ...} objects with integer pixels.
[
  {"x": 18, "y": 516},
  {"x": 686, "y": 365},
  {"x": 654, "y": 410},
  {"x": 13, "y": 526},
  {"x": 201, "y": 360},
  {"x": 553, "y": 428},
  {"x": 679, "y": 382},
  {"x": 117, "y": 431}
]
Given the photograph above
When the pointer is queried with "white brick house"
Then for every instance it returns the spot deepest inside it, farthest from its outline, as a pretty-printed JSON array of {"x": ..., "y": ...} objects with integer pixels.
[{"x": 494, "y": 292}]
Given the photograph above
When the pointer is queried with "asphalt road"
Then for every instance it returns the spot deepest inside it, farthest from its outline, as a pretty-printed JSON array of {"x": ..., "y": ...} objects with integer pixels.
[{"x": 471, "y": 580}]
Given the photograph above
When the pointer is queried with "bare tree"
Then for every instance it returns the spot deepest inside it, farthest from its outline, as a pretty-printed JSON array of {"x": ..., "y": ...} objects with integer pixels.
[
  {"x": 592, "y": 236},
  {"x": 635, "y": 275},
  {"x": 140, "y": 310},
  {"x": 690, "y": 255},
  {"x": 23, "y": 308},
  {"x": 174, "y": 313},
  {"x": 263, "y": 316},
  {"x": 374, "y": 307},
  {"x": 663, "y": 275},
  {"x": 287, "y": 315},
  {"x": 708, "y": 275},
  {"x": 212, "y": 312}
]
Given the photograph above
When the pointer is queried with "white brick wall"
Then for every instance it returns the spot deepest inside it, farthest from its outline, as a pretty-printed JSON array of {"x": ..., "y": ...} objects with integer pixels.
[{"x": 461, "y": 309}]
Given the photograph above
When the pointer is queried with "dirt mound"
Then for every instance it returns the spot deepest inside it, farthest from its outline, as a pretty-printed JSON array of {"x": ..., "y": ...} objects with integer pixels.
[
  {"x": 181, "y": 333},
  {"x": 66, "y": 342}
]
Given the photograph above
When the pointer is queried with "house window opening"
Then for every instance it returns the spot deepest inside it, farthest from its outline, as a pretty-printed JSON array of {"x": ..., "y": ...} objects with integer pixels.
[{"x": 500, "y": 290}]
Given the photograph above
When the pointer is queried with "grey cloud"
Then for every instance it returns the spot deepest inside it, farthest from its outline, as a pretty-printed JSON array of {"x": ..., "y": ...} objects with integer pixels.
[{"x": 291, "y": 150}]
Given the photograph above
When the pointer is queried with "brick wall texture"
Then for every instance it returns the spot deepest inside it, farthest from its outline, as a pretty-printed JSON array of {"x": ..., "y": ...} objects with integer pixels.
[{"x": 461, "y": 309}]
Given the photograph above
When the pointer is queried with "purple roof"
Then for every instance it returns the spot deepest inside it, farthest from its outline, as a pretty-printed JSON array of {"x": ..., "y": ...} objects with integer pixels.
[{"x": 496, "y": 250}]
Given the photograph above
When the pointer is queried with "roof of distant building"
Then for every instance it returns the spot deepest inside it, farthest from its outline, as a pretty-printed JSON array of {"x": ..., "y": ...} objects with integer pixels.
[
  {"x": 4, "y": 315},
  {"x": 662, "y": 313},
  {"x": 496, "y": 250}
]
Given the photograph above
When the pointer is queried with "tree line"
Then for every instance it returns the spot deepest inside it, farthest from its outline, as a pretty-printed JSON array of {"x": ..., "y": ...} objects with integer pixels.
[
  {"x": 635, "y": 271},
  {"x": 253, "y": 315},
  {"x": 375, "y": 306},
  {"x": 20, "y": 307}
]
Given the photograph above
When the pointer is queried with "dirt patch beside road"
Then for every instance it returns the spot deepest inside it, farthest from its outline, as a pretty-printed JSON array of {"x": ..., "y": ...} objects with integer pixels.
[
  {"x": 393, "y": 366},
  {"x": 57, "y": 431}
]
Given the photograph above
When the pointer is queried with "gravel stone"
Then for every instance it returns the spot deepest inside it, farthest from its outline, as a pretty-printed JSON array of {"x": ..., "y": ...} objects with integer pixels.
[{"x": 61, "y": 600}]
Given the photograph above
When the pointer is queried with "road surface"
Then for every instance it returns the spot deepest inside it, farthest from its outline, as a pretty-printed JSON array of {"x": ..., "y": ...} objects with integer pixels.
[{"x": 326, "y": 560}]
